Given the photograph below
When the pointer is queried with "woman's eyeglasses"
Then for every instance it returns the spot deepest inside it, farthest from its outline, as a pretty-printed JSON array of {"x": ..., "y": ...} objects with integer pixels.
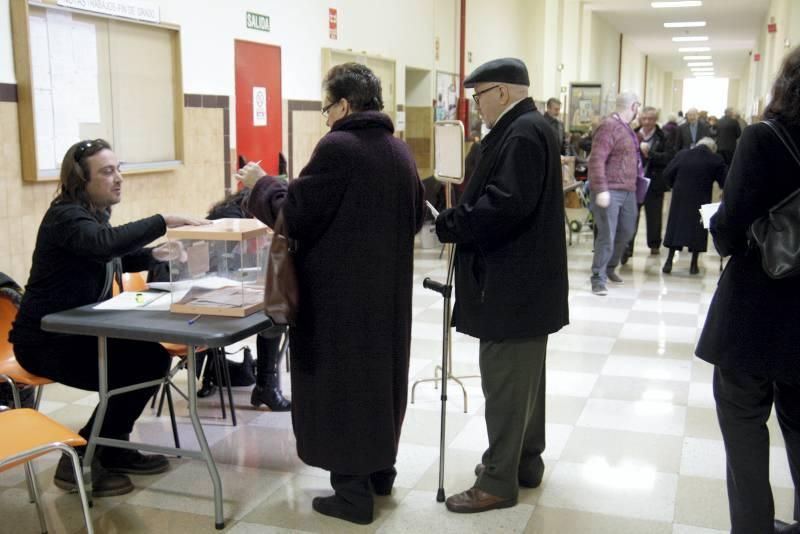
[{"x": 327, "y": 108}]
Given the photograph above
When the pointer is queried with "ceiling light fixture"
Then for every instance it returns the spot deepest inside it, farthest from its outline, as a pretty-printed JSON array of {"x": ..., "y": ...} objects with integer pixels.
[
  {"x": 690, "y": 38},
  {"x": 698, "y": 24},
  {"x": 685, "y": 3},
  {"x": 702, "y": 69},
  {"x": 700, "y": 64},
  {"x": 695, "y": 49},
  {"x": 696, "y": 58}
]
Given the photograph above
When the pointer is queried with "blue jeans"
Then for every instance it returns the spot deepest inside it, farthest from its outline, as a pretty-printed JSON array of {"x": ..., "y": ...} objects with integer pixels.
[{"x": 615, "y": 227}]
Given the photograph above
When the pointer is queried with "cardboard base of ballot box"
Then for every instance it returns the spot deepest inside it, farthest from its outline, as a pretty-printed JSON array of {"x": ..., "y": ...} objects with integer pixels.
[{"x": 239, "y": 311}]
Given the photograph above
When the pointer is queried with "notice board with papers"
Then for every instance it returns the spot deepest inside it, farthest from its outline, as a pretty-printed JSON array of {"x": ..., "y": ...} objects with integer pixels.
[{"x": 85, "y": 76}]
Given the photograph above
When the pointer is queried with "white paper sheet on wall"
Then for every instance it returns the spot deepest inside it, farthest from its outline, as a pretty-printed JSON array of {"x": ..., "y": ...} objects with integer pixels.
[
  {"x": 40, "y": 53},
  {"x": 45, "y": 131},
  {"x": 84, "y": 47}
]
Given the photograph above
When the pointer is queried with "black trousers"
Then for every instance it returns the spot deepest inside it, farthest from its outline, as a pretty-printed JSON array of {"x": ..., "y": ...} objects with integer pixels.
[
  {"x": 72, "y": 361},
  {"x": 654, "y": 218},
  {"x": 744, "y": 402}
]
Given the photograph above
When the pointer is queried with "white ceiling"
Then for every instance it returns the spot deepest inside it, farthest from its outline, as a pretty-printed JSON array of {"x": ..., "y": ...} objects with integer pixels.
[{"x": 732, "y": 26}]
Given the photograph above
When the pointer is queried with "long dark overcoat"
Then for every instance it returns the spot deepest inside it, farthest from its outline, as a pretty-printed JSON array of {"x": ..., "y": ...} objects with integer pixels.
[
  {"x": 691, "y": 174},
  {"x": 354, "y": 212},
  {"x": 511, "y": 257},
  {"x": 752, "y": 322}
]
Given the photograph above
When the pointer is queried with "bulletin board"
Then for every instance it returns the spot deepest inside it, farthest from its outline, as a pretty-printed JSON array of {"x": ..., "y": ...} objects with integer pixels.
[{"x": 86, "y": 76}]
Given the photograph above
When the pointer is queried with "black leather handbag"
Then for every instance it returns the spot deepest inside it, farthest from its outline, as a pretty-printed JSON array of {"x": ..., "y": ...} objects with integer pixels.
[{"x": 777, "y": 234}]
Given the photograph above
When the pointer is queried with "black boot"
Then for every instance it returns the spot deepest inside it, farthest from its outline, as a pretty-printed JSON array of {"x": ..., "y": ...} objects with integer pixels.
[
  {"x": 208, "y": 386},
  {"x": 693, "y": 267},
  {"x": 268, "y": 388},
  {"x": 668, "y": 264}
]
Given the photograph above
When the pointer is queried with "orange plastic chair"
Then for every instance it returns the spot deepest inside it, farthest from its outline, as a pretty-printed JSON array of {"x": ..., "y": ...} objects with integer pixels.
[{"x": 28, "y": 434}]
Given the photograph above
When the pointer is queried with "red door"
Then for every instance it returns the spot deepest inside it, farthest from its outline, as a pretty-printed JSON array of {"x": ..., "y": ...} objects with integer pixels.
[{"x": 258, "y": 103}]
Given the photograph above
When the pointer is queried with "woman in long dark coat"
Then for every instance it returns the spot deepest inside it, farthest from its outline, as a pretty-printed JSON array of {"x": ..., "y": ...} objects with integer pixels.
[
  {"x": 691, "y": 174},
  {"x": 354, "y": 212},
  {"x": 751, "y": 333}
]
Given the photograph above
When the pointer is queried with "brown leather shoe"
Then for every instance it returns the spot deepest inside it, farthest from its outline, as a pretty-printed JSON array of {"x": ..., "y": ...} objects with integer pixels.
[{"x": 475, "y": 500}]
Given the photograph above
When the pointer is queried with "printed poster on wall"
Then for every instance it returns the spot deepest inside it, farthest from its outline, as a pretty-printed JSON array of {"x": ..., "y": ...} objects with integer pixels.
[
  {"x": 585, "y": 105},
  {"x": 333, "y": 23},
  {"x": 259, "y": 106},
  {"x": 446, "y": 96}
]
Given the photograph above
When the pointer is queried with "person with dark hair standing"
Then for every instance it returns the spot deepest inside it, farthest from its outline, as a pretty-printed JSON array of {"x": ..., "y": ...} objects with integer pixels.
[
  {"x": 551, "y": 115},
  {"x": 353, "y": 212},
  {"x": 267, "y": 390},
  {"x": 510, "y": 278},
  {"x": 751, "y": 335},
  {"x": 728, "y": 133},
  {"x": 77, "y": 257}
]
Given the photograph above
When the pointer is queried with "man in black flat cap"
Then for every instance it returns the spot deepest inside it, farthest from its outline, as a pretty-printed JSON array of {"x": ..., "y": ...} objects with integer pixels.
[{"x": 511, "y": 278}]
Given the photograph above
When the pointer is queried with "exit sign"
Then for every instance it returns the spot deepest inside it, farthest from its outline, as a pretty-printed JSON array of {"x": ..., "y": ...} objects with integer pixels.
[{"x": 257, "y": 22}]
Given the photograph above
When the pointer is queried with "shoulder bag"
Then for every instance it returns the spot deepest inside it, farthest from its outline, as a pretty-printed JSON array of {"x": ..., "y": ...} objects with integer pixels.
[
  {"x": 777, "y": 234},
  {"x": 280, "y": 290}
]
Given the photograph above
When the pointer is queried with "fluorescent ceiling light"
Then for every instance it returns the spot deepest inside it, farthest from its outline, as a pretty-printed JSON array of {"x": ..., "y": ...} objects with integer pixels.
[
  {"x": 698, "y": 24},
  {"x": 695, "y": 58},
  {"x": 700, "y": 64},
  {"x": 695, "y": 49},
  {"x": 709, "y": 75},
  {"x": 690, "y": 38},
  {"x": 703, "y": 69},
  {"x": 687, "y": 3}
]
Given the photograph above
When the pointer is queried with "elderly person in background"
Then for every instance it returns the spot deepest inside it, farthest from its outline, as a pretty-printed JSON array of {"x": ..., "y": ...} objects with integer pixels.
[
  {"x": 510, "y": 278},
  {"x": 691, "y": 174},
  {"x": 691, "y": 131},
  {"x": 614, "y": 166},
  {"x": 656, "y": 152},
  {"x": 728, "y": 133},
  {"x": 754, "y": 370},
  {"x": 353, "y": 213},
  {"x": 553, "y": 117},
  {"x": 78, "y": 256}
]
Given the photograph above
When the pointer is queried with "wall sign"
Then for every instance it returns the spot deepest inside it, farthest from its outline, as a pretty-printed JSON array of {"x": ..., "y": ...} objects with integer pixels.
[
  {"x": 257, "y": 22},
  {"x": 259, "y": 106},
  {"x": 129, "y": 9},
  {"x": 756, "y": 57},
  {"x": 333, "y": 23}
]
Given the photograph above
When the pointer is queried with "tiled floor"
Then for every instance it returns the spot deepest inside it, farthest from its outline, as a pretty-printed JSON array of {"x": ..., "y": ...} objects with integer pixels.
[{"x": 633, "y": 441}]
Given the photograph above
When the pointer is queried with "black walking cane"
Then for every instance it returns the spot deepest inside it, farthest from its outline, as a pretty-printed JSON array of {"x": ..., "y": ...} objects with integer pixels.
[{"x": 445, "y": 290}]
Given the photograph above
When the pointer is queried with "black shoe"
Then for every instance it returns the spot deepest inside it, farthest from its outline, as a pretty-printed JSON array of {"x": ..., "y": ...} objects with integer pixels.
[
  {"x": 271, "y": 397},
  {"x": 132, "y": 462},
  {"x": 335, "y": 506},
  {"x": 207, "y": 390},
  {"x": 383, "y": 481},
  {"x": 786, "y": 528},
  {"x": 694, "y": 269},
  {"x": 104, "y": 484},
  {"x": 667, "y": 268}
]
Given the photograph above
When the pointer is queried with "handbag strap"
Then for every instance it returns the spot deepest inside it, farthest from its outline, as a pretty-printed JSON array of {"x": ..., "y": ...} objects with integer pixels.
[{"x": 783, "y": 135}]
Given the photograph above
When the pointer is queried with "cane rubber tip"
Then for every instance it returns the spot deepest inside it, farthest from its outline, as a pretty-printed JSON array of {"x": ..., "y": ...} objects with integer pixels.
[
  {"x": 219, "y": 526},
  {"x": 440, "y": 495}
]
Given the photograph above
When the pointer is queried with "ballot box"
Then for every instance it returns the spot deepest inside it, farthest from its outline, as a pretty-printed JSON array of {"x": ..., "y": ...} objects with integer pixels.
[{"x": 218, "y": 268}]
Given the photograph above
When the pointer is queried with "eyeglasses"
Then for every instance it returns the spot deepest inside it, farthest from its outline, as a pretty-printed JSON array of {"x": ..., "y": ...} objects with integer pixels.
[
  {"x": 327, "y": 108},
  {"x": 83, "y": 147},
  {"x": 477, "y": 95}
]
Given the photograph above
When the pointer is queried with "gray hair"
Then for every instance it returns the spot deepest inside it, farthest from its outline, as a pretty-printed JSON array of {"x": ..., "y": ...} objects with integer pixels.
[
  {"x": 708, "y": 142},
  {"x": 625, "y": 100}
]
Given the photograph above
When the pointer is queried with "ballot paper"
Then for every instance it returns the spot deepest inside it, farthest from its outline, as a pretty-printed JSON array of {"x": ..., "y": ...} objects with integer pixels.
[
  {"x": 136, "y": 300},
  {"x": 707, "y": 211}
]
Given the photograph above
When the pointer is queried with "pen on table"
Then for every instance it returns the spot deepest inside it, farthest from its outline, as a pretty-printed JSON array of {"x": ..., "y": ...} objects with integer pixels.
[{"x": 193, "y": 319}]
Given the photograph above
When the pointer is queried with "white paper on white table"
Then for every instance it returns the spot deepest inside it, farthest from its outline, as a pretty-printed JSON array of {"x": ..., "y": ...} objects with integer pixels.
[
  {"x": 707, "y": 211},
  {"x": 136, "y": 300}
]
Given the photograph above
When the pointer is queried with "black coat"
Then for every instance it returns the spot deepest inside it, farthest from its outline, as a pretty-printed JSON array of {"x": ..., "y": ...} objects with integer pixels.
[
  {"x": 660, "y": 154},
  {"x": 752, "y": 323},
  {"x": 691, "y": 174},
  {"x": 683, "y": 139},
  {"x": 511, "y": 261},
  {"x": 728, "y": 132},
  {"x": 73, "y": 246},
  {"x": 354, "y": 212}
]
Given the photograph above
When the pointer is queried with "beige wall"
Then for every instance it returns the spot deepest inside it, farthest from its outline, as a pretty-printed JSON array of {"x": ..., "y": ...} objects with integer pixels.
[{"x": 189, "y": 190}]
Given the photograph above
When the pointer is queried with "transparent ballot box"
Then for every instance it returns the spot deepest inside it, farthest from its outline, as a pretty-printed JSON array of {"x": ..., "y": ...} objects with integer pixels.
[{"x": 219, "y": 268}]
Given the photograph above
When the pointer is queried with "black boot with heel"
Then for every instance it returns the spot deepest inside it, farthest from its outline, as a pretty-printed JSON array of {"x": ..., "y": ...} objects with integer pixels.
[{"x": 268, "y": 384}]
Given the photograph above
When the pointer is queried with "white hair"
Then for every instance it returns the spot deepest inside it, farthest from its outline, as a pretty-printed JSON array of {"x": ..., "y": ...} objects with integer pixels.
[
  {"x": 626, "y": 100},
  {"x": 708, "y": 142}
]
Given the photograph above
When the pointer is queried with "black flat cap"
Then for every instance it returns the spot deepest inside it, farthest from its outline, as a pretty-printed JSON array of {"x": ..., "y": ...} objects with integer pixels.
[{"x": 504, "y": 70}]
